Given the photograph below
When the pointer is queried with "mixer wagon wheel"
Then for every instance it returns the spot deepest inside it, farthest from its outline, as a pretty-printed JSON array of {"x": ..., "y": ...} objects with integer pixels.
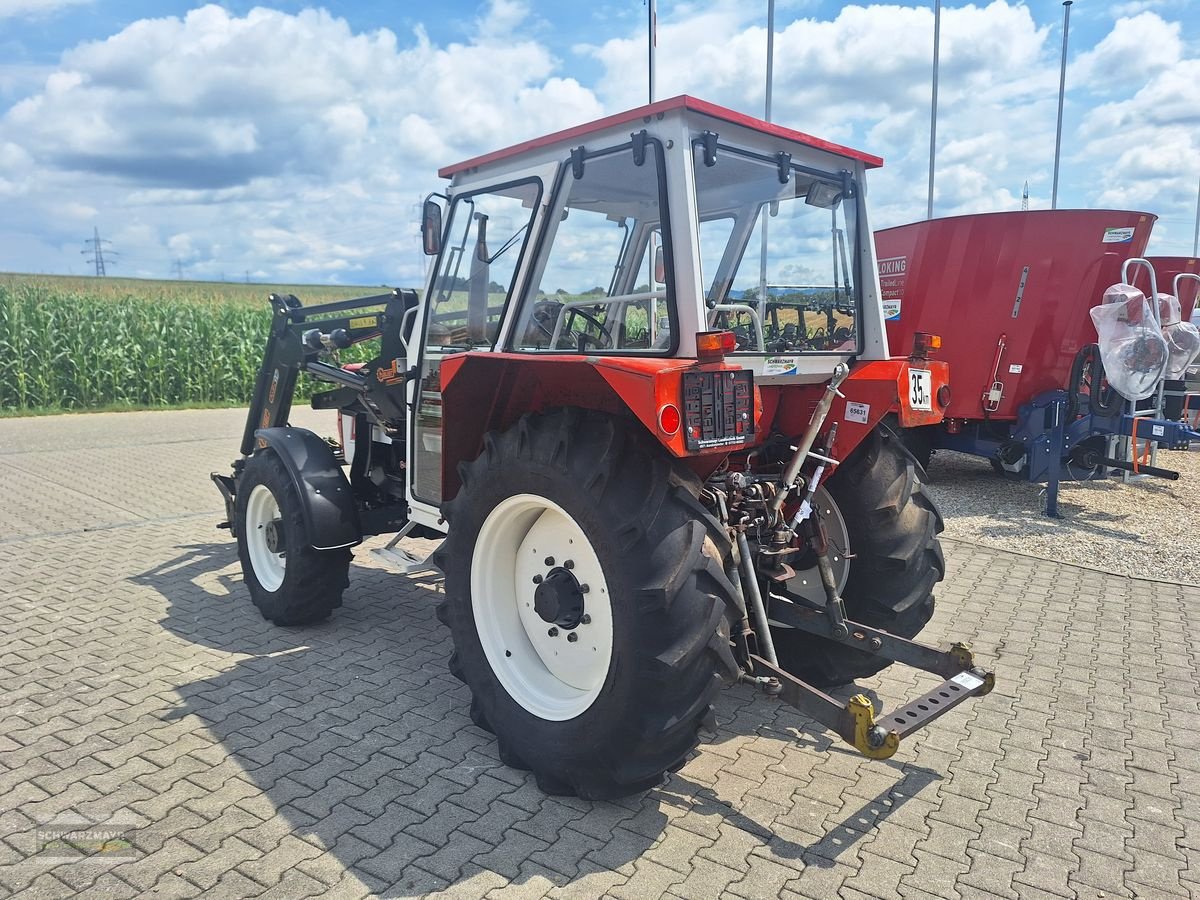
[
  {"x": 892, "y": 528},
  {"x": 917, "y": 441},
  {"x": 588, "y": 596}
]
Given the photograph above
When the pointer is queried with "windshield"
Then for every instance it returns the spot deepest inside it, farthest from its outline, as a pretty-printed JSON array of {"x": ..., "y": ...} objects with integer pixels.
[{"x": 777, "y": 251}]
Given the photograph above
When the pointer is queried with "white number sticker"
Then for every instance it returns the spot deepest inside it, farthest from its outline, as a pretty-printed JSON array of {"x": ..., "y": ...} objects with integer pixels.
[
  {"x": 858, "y": 412},
  {"x": 920, "y": 389}
]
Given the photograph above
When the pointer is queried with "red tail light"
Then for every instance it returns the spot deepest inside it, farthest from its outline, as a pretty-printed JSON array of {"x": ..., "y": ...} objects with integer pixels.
[{"x": 669, "y": 419}]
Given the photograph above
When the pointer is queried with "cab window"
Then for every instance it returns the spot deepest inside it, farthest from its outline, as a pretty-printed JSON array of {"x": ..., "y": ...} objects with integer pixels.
[
  {"x": 602, "y": 281},
  {"x": 784, "y": 279}
]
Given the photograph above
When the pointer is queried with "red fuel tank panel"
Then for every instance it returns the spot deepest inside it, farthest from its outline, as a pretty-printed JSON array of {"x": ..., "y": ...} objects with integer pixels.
[{"x": 1008, "y": 292}]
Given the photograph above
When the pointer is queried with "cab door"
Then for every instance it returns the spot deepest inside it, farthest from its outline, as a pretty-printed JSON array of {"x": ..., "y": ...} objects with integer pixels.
[{"x": 484, "y": 249}]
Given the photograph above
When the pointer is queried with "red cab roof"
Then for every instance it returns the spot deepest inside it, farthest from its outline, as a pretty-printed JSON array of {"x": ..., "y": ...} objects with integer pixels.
[{"x": 681, "y": 102}]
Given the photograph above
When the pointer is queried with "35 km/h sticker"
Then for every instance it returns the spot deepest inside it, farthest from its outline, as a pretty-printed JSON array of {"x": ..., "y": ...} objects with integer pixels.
[{"x": 920, "y": 389}]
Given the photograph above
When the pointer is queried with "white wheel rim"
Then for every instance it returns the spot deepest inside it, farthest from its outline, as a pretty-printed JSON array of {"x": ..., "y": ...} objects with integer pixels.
[
  {"x": 551, "y": 676},
  {"x": 261, "y": 510},
  {"x": 807, "y": 583}
]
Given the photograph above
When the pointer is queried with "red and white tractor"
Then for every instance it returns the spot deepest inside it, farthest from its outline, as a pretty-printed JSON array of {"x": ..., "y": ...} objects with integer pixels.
[{"x": 654, "y": 469}]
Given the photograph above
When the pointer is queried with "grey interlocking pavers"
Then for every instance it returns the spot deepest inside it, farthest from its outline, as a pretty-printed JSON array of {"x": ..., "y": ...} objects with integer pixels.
[{"x": 340, "y": 761}]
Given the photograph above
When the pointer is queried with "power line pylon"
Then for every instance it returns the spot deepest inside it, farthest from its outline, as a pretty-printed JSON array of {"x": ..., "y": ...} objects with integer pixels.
[{"x": 96, "y": 249}]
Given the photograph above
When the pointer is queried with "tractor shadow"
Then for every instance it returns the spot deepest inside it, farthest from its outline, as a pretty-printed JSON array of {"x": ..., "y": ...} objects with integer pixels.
[{"x": 359, "y": 738}]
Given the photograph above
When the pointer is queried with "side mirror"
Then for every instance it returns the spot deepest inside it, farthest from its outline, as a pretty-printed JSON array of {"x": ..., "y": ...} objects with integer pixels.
[
  {"x": 660, "y": 265},
  {"x": 431, "y": 227}
]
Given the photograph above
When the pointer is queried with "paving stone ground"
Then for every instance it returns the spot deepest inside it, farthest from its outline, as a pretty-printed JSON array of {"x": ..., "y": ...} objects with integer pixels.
[{"x": 142, "y": 691}]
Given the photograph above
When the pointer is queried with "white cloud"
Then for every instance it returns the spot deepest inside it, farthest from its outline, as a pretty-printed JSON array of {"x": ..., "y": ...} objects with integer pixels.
[
  {"x": 294, "y": 146},
  {"x": 195, "y": 125},
  {"x": 863, "y": 78},
  {"x": 1145, "y": 150},
  {"x": 1136, "y": 47},
  {"x": 32, "y": 9}
]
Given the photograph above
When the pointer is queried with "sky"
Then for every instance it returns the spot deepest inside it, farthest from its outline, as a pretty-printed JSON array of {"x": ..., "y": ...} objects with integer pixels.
[{"x": 289, "y": 142}]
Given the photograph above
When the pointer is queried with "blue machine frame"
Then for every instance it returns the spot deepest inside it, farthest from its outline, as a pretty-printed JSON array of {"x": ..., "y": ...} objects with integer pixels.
[{"x": 1049, "y": 440}]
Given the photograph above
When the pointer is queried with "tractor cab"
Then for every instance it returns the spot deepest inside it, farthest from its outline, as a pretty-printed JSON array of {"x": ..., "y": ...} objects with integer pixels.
[{"x": 632, "y": 234}]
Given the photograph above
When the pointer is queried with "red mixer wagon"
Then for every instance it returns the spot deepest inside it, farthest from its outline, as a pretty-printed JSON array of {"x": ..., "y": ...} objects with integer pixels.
[{"x": 1010, "y": 293}]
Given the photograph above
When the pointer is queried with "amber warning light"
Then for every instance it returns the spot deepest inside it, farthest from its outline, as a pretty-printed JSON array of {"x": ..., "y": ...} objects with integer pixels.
[
  {"x": 923, "y": 343},
  {"x": 711, "y": 346}
]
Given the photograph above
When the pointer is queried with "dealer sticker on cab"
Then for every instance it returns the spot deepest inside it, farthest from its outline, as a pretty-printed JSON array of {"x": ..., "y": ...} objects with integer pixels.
[
  {"x": 920, "y": 389},
  {"x": 780, "y": 365}
]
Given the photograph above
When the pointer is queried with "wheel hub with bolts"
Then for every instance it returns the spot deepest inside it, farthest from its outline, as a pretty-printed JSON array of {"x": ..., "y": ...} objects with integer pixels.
[
  {"x": 532, "y": 570},
  {"x": 558, "y": 598},
  {"x": 273, "y": 535}
]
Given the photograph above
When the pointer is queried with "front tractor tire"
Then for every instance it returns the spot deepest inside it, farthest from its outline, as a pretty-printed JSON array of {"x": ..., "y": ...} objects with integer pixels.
[
  {"x": 894, "y": 561},
  {"x": 589, "y": 601},
  {"x": 289, "y": 581}
]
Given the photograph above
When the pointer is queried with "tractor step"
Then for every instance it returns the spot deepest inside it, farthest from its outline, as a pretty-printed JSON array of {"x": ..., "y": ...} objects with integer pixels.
[
  {"x": 403, "y": 561},
  {"x": 876, "y": 735}
]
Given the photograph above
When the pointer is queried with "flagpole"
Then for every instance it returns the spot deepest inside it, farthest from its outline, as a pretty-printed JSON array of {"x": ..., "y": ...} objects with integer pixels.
[
  {"x": 652, "y": 38},
  {"x": 1196, "y": 235},
  {"x": 770, "y": 54},
  {"x": 1062, "y": 86},
  {"x": 762, "y": 249},
  {"x": 937, "y": 39}
]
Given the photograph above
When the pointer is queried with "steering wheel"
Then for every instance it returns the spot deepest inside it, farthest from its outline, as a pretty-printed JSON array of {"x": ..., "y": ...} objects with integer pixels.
[{"x": 546, "y": 312}]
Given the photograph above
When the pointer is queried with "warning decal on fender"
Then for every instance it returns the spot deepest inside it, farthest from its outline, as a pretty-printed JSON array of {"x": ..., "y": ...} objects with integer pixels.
[
  {"x": 858, "y": 412},
  {"x": 920, "y": 389}
]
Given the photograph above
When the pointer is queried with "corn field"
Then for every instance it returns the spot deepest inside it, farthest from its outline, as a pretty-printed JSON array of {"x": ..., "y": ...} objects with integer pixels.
[{"x": 64, "y": 349}]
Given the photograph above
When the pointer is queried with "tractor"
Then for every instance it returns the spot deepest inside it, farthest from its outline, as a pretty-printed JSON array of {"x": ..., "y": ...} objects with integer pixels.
[{"x": 649, "y": 475}]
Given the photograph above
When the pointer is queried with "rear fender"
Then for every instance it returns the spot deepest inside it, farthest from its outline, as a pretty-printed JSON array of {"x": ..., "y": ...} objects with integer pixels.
[
  {"x": 877, "y": 388},
  {"x": 327, "y": 502},
  {"x": 872, "y": 391},
  {"x": 482, "y": 392}
]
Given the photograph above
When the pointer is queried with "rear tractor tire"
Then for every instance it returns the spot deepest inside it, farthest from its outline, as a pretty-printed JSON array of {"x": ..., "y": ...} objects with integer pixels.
[
  {"x": 289, "y": 581},
  {"x": 894, "y": 559},
  {"x": 589, "y": 600}
]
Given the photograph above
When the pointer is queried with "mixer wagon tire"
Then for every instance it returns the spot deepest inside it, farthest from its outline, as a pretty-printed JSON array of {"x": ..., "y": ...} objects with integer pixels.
[
  {"x": 589, "y": 601},
  {"x": 918, "y": 442},
  {"x": 895, "y": 561},
  {"x": 289, "y": 581}
]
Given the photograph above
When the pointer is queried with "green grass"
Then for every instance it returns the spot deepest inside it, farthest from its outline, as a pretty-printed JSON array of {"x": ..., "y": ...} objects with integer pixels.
[
  {"x": 72, "y": 344},
  {"x": 218, "y": 292},
  {"x": 111, "y": 408}
]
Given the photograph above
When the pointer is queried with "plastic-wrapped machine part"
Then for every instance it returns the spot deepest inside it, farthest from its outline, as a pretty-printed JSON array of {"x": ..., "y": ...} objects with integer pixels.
[
  {"x": 1132, "y": 346},
  {"x": 1169, "y": 310},
  {"x": 1123, "y": 293},
  {"x": 1183, "y": 347},
  {"x": 1183, "y": 338}
]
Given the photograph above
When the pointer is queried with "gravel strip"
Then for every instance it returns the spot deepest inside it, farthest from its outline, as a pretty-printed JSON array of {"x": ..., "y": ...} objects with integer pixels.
[{"x": 1144, "y": 529}]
